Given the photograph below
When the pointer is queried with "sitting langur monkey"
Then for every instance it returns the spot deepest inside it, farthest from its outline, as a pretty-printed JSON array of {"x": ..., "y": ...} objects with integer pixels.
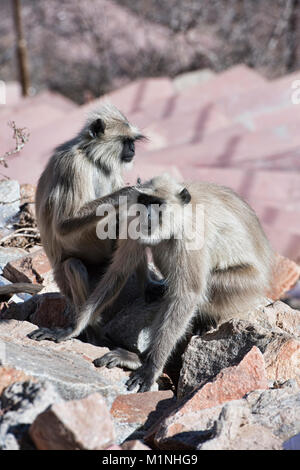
[
  {"x": 82, "y": 174},
  {"x": 222, "y": 277}
]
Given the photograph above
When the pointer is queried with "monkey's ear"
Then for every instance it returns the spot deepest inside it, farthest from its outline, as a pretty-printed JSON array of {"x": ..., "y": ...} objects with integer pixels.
[
  {"x": 185, "y": 196},
  {"x": 96, "y": 128}
]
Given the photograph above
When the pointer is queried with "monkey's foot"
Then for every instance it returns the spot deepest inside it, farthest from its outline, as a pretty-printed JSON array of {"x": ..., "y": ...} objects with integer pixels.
[
  {"x": 155, "y": 290},
  {"x": 119, "y": 358},
  {"x": 52, "y": 334},
  {"x": 142, "y": 379}
]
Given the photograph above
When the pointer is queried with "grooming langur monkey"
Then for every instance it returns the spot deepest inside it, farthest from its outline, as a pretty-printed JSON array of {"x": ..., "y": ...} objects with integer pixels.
[
  {"x": 222, "y": 278},
  {"x": 83, "y": 173}
]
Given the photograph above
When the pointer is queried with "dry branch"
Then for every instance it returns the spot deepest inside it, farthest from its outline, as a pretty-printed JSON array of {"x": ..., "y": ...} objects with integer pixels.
[{"x": 21, "y": 137}]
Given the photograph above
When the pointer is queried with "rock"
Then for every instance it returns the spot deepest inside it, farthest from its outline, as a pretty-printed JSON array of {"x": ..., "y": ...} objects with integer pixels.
[
  {"x": 4, "y": 281},
  {"x": 136, "y": 407},
  {"x": 261, "y": 420},
  {"x": 45, "y": 310},
  {"x": 9, "y": 375},
  {"x": 27, "y": 193},
  {"x": 134, "y": 445},
  {"x": 21, "y": 297},
  {"x": 234, "y": 431},
  {"x": 285, "y": 275},
  {"x": 282, "y": 360},
  {"x": 231, "y": 383},
  {"x": 74, "y": 425},
  {"x": 190, "y": 430},
  {"x": 31, "y": 268},
  {"x": 49, "y": 284},
  {"x": 9, "y": 201},
  {"x": 139, "y": 411},
  {"x": 225, "y": 346},
  {"x": 249, "y": 437},
  {"x": 114, "y": 447},
  {"x": 22, "y": 402},
  {"x": 14, "y": 298},
  {"x": 21, "y": 311},
  {"x": 8, "y": 254},
  {"x": 276, "y": 316},
  {"x": 280, "y": 317},
  {"x": 277, "y": 409},
  {"x": 51, "y": 311},
  {"x": 27, "y": 203},
  {"x": 292, "y": 297},
  {"x": 293, "y": 443},
  {"x": 67, "y": 365}
]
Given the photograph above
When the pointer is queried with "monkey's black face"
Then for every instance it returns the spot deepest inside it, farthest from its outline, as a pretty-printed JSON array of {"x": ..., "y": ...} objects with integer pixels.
[{"x": 128, "y": 150}]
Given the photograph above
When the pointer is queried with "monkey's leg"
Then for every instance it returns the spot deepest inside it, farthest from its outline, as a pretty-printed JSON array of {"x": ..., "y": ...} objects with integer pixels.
[
  {"x": 169, "y": 326},
  {"x": 125, "y": 261},
  {"x": 76, "y": 287},
  {"x": 233, "y": 291},
  {"x": 119, "y": 358}
]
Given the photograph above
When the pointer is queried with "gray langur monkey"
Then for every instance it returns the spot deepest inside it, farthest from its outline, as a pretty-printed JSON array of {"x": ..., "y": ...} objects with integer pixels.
[
  {"x": 226, "y": 275},
  {"x": 82, "y": 174}
]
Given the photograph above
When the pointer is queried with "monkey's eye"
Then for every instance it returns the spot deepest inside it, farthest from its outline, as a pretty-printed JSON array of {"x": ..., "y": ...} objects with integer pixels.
[
  {"x": 140, "y": 137},
  {"x": 185, "y": 196}
]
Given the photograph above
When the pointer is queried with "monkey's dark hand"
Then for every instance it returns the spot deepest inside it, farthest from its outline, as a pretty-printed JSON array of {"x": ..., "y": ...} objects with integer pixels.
[
  {"x": 52, "y": 334},
  {"x": 155, "y": 291},
  {"x": 143, "y": 378}
]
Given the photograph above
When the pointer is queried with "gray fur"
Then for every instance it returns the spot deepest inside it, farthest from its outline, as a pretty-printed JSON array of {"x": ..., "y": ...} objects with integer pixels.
[
  {"x": 82, "y": 174},
  {"x": 228, "y": 276}
]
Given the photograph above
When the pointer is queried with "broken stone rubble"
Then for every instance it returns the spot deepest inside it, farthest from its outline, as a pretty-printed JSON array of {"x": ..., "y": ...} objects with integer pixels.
[
  {"x": 9, "y": 375},
  {"x": 135, "y": 413},
  {"x": 260, "y": 420},
  {"x": 8, "y": 254},
  {"x": 33, "y": 267},
  {"x": 207, "y": 355},
  {"x": 229, "y": 384},
  {"x": 68, "y": 365},
  {"x": 9, "y": 203},
  {"x": 21, "y": 403},
  {"x": 68, "y": 426}
]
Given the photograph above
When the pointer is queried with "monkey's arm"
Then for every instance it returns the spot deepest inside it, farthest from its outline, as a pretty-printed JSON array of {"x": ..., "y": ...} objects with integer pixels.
[
  {"x": 86, "y": 216},
  {"x": 186, "y": 290}
]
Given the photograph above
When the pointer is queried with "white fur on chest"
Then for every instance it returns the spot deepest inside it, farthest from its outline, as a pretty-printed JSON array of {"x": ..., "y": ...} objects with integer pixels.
[{"x": 101, "y": 184}]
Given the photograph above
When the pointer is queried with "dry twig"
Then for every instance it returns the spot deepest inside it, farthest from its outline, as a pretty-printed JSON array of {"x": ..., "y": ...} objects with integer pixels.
[{"x": 21, "y": 136}]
